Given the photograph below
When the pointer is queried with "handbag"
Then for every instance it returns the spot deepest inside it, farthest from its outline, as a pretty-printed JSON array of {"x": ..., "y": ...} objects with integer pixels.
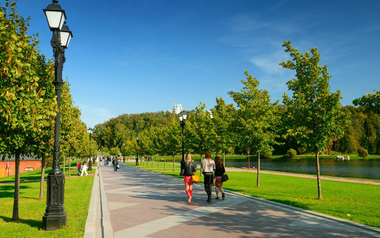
[
  {"x": 195, "y": 178},
  {"x": 117, "y": 166},
  {"x": 224, "y": 177}
]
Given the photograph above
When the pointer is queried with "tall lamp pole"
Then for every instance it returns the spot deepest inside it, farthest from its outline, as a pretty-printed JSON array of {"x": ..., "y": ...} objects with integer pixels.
[
  {"x": 90, "y": 161},
  {"x": 137, "y": 158},
  {"x": 182, "y": 119},
  {"x": 55, "y": 216}
]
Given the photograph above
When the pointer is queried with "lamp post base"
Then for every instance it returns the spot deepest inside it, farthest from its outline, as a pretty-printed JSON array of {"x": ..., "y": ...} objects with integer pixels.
[
  {"x": 55, "y": 216},
  {"x": 54, "y": 222}
]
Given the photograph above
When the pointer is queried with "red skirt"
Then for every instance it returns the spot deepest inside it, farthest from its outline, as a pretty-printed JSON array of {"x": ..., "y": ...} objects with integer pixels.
[{"x": 187, "y": 179}]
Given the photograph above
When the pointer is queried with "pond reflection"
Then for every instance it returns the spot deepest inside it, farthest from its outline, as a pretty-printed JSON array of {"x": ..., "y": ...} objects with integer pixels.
[{"x": 363, "y": 168}]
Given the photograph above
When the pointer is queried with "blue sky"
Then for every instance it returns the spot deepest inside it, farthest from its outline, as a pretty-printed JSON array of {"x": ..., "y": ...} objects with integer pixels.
[{"x": 135, "y": 56}]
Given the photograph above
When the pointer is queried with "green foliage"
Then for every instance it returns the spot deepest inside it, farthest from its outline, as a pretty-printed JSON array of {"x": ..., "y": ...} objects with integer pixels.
[
  {"x": 200, "y": 132},
  {"x": 267, "y": 155},
  {"x": 362, "y": 152},
  {"x": 115, "y": 151},
  {"x": 25, "y": 108},
  {"x": 291, "y": 153},
  {"x": 370, "y": 102},
  {"x": 223, "y": 116},
  {"x": 313, "y": 113},
  {"x": 256, "y": 118}
]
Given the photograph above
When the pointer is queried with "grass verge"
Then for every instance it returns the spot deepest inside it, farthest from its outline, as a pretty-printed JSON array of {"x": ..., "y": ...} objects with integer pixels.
[{"x": 31, "y": 208}]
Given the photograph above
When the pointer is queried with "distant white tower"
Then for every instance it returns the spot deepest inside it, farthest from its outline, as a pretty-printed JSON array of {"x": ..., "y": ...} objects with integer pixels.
[{"x": 177, "y": 108}]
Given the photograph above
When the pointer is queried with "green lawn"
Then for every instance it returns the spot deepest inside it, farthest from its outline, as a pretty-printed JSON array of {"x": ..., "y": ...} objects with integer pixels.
[
  {"x": 350, "y": 201},
  {"x": 31, "y": 208}
]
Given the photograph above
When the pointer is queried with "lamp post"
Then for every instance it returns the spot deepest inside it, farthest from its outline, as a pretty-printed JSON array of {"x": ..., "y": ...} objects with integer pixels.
[
  {"x": 182, "y": 119},
  {"x": 90, "y": 131},
  {"x": 55, "y": 216},
  {"x": 137, "y": 158},
  {"x": 124, "y": 154}
]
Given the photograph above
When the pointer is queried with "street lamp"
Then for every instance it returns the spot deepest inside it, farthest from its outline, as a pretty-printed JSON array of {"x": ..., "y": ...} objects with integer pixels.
[
  {"x": 137, "y": 158},
  {"x": 90, "y": 161},
  {"x": 55, "y": 216},
  {"x": 124, "y": 155},
  {"x": 182, "y": 119}
]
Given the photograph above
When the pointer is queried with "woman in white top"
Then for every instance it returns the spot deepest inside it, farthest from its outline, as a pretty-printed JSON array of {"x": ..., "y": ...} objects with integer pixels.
[
  {"x": 84, "y": 169},
  {"x": 208, "y": 167}
]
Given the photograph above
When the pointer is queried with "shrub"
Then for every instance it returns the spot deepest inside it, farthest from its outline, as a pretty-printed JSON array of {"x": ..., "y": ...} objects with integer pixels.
[
  {"x": 267, "y": 155},
  {"x": 362, "y": 152},
  {"x": 301, "y": 150},
  {"x": 291, "y": 153}
]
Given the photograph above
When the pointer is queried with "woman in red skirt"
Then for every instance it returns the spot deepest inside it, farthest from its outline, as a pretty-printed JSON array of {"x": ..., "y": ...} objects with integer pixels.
[{"x": 189, "y": 168}]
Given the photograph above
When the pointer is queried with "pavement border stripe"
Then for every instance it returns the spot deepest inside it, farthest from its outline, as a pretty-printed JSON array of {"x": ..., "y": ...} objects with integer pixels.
[
  {"x": 106, "y": 221},
  {"x": 91, "y": 215}
]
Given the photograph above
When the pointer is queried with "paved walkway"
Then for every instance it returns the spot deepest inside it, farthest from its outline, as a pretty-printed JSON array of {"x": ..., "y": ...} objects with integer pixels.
[{"x": 137, "y": 203}]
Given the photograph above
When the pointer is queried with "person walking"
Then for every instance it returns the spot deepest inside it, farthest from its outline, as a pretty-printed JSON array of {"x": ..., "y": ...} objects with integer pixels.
[
  {"x": 115, "y": 163},
  {"x": 220, "y": 170},
  {"x": 78, "y": 168},
  {"x": 208, "y": 166},
  {"x": 84, "y": 169},
  {"x": 189, "y": 168}
]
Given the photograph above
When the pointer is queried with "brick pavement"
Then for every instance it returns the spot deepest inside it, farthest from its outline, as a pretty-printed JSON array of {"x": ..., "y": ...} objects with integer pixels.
[{"x": 137, "y": 203}]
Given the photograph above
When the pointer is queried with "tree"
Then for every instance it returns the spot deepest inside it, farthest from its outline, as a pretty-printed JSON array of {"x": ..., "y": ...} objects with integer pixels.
[
  {"x": 223, "y": 116},
  {"x": 115, "y": 151},
  {"x": 314, "y": 114},
  {"x": 370, "y": 102},
  {"x": 199, "y": 130},
  {"x": 173, "y": 138},
  {"x": 256, "y": 119},
  {"x": 23, "y": 112}
]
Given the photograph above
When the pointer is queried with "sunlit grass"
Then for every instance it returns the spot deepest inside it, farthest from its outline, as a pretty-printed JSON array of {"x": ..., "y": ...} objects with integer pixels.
[{"x": 31, "y": 209}]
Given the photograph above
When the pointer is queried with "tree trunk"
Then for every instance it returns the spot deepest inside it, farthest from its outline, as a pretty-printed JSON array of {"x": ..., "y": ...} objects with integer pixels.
[
  {"x": 224, "y": 158},
  {"x": 42, "y": 182},
  {"x": 173, "y": 162},
  {"x": 158, "y": 162},
  {"x": 258, "y": 169},
  {"x": 17, "y": 186},
  {"x": 318, "y": 174},
  {"x": 164, "y": 162},
  {"x": 64, "y": 166},
  {"x": 69, "y": 166}
]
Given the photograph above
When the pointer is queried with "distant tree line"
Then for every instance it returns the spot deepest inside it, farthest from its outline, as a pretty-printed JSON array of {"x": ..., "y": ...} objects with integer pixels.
[{"x": 310, "y": 120}]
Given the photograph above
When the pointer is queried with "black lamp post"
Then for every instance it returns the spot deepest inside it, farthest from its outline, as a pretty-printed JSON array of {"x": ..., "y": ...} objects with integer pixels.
[
  {"x": 182, "y": 119},
  {"x": 55, "y": 216},
  {"x": 123, "y": 155},
  {"x": 90, "y": 161},
  {"x": 137, "y": 158}
]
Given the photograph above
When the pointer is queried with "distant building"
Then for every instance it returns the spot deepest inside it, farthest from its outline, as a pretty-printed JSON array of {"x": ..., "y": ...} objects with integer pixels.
[
  {"x": 7, "y": 166},
  {"x": 177, "y": 108}
]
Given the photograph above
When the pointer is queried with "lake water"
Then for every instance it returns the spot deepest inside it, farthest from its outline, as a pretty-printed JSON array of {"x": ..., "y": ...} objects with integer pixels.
[{"x": 363, "y": 168}]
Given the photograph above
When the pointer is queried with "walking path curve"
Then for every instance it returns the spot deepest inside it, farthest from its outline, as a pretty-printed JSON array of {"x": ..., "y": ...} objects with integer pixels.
[{"x": 137, "y": 203}]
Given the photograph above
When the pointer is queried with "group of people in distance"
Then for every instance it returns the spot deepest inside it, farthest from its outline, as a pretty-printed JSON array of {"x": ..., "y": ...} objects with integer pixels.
[{"x": 209, "y": 166}]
